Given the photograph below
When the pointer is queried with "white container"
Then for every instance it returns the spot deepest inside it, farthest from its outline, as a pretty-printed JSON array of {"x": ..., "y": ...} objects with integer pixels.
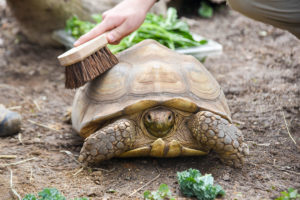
[{"x": 210, "y": 48}]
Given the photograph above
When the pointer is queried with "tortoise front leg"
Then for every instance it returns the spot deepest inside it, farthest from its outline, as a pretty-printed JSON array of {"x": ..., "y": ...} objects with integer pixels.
[
  {"x": 108, "y": 142},
  {"x": 214, "y": 132}
]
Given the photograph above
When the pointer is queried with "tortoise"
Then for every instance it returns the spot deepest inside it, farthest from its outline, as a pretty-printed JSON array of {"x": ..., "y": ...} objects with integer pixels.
[{"x": 155, "y": 102}]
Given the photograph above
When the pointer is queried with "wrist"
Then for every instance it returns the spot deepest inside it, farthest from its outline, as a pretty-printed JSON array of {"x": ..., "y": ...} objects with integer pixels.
[{"x": 144, "y": 5}]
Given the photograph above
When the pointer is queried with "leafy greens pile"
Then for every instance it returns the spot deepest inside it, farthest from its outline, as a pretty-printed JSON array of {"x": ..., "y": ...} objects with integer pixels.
[
  {"x": 169, "y": 31},
  {"x": 192, "y": 183}
]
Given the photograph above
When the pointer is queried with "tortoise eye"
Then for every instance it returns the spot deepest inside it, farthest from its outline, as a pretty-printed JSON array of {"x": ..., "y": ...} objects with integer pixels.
[
  {"x": 149, "y": 117},
  {"x": 170, "y": 117}
]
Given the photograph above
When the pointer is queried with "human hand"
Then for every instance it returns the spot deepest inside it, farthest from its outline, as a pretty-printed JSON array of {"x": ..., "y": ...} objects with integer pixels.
[{"x": 119, "y": 21}]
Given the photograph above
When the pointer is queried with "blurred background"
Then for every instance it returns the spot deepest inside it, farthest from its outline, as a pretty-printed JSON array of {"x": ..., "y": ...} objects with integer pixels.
[{"x": 258, "y": 70}]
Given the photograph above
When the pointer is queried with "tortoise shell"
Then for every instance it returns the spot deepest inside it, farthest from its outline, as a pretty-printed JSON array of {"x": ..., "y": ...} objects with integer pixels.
[{"x": 148, "y": 74}]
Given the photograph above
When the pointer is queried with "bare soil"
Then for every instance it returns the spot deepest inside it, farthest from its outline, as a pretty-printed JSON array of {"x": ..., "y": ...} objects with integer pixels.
[{"x": 259, "y": 72}]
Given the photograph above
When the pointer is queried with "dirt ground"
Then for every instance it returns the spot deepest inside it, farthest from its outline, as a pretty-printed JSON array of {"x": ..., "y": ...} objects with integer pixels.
[{"x": 259, "y": 72}]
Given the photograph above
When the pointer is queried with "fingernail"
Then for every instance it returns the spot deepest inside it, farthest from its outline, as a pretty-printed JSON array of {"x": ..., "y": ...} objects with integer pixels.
[
  {"x": 76, "y": 43},
  {"x": 110, "y": 38}
]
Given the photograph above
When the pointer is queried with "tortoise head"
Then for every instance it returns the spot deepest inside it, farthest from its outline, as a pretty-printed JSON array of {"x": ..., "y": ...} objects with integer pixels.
[{"x": 159, "y": 121}]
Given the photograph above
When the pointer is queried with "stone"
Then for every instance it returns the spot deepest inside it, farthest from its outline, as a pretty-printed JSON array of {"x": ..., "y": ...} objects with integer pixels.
[
  {"x": 10, "y": 122},
  {"x": 226, "y": 177}
]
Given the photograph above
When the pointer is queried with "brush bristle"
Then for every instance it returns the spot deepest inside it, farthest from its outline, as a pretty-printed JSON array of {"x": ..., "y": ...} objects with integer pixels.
[{"x": 94, "y": 65}]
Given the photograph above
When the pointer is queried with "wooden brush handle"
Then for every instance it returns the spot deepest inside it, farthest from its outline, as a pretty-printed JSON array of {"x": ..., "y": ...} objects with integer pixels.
[{"x": 79, "y": 53}]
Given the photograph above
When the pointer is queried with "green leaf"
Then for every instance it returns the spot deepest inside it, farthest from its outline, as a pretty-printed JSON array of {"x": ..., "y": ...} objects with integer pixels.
[
  {"x": 97, "y": 18},
  {"x": 192, "y": 183},
  {"x": 162, "y": 193},
  {"x": 205, "y": 10},
  {"x": 30, "y": 197},
  {"x": 291, "y": 194},
  {"x": 147, "y": 194},
  {"x": 51, "y": 194}
]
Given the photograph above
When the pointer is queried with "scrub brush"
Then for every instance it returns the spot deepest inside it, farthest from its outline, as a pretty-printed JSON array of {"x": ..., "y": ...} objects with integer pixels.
[{"x": 87, "y": 61}]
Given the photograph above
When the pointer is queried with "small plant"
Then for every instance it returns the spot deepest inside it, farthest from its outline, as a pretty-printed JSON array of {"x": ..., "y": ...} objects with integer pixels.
[
  {"x": 205, "y": 10},
  {"x": 192, "y": 183},
  {"x": 49, "y": 194},
  {"x": 291, "y": 194},
  {"x": 162, "y": 193}
]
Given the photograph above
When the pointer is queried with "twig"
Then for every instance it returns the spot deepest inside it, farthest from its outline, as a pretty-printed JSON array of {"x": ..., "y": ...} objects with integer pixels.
[
  {"x": 8, "y": 156},
  {"x": 287, "y": 128},
  {"x": 42, "y": 125},
  {"x": 11, "y": 185},
  {"x": 264, "y": 144},
  {"x": 37, "y": 105},
  {"x": 105, "y": 170},
  {"x": 69, "y": 153},
  {"x": 31, "y": 175},
  {"x": 80, "y": 170},
  {"x": 290, "y": 171},
  {"x": 144, "y": 185},
  {"x": 19, "y": 162},
  {"x": 20, "y": 138},
  {"x": 14, "y": 108}
]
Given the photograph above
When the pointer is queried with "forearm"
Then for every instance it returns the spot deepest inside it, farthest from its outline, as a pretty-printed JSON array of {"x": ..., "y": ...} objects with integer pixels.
[
  {"x": 120, "y": 21},
  {"x": 283, "y": 14}
]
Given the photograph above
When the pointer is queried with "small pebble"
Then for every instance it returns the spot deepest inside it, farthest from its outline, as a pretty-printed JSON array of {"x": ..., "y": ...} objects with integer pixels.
[{"x": 226, "y": 177}]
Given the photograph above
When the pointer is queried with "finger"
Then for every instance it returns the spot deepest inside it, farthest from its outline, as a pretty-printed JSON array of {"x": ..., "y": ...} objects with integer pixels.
[
  {"x": 101, "y": 28},
  {"x": 117, "y": 34},
  {"x": 116, "y": 42},
  {"x": 97, "y": 30},
  {"x": 104, "y": 14}
]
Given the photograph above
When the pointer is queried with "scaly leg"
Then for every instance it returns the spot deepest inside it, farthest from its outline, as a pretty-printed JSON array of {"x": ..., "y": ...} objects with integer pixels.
[
  {"x": 108, "y": 142},
  {"x": 216, "y": 133}
]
